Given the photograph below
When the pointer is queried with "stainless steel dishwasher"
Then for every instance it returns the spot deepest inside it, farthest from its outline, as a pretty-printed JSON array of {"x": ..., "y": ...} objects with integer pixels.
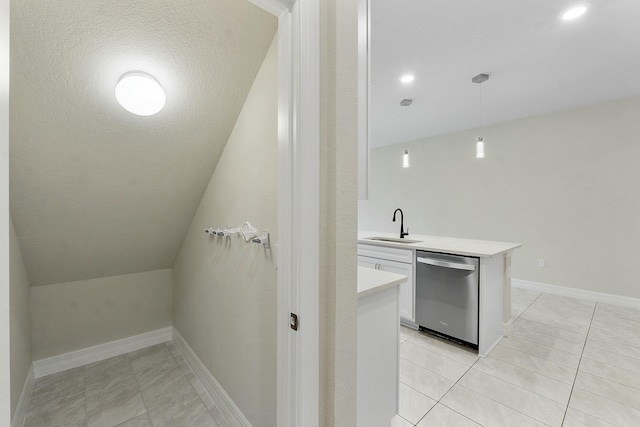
[{"x": 447, "y": 295}]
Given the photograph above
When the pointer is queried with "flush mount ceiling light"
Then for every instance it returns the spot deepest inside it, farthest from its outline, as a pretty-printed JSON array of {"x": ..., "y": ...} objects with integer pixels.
[
  {"x": 407, "y": 78},
  {"x": 140, "y": 93},
  {"x": 574, "y": 13}
]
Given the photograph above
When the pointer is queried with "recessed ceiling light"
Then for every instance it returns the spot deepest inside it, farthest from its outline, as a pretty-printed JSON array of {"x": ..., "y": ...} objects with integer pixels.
[
  {"x": 140, "y": 93},
  {"x": 407, "y": 78},
  {"x": 574, "y": 13}
]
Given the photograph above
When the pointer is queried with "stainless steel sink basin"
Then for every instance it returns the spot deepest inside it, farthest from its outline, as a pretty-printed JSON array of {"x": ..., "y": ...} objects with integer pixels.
[{"x": 392, "y": 239}]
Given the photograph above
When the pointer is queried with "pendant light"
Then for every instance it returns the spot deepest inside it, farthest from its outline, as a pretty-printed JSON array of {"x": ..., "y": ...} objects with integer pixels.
[
  {"x": 405, "y": 159},
  {"x": 479, "y": 79}
]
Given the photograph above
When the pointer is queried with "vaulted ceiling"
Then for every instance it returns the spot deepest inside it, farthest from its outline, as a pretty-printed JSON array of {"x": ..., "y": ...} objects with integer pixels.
[
  {"x": 538, "y": 63},
  {"x": 95, "y": 190}
]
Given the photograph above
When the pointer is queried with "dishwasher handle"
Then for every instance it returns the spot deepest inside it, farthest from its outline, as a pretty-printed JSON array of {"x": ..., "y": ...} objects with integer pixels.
[{"x": 446, "y": 264}]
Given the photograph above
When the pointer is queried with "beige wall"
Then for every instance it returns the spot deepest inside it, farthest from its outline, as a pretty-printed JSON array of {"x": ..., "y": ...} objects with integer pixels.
[
  {"x": 75, "y": 315},
  {"x": 225, "y": 290},
  {"x": 338, "y": 228},
  {"x": 565, "y": 185},
  {"x": 20, "y": 321}
]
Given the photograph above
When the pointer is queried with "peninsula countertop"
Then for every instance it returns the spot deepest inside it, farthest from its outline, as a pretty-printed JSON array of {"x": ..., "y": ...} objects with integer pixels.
[
  {"x": 371, "y": 281},
  {"x": 452, "y": 245}
]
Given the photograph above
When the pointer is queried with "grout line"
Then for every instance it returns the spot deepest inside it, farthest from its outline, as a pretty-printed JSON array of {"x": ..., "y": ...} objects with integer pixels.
[
  {"x": 578, "y": 368},
  {"x": 135, "y": 377}
]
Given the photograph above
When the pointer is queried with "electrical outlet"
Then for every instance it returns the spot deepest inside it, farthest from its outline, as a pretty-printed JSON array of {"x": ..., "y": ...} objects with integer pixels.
[{"x": 542, "y": 263}]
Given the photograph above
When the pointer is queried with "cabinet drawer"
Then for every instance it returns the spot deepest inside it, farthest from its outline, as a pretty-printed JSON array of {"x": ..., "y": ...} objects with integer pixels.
[{"x": 383, "y": 252}]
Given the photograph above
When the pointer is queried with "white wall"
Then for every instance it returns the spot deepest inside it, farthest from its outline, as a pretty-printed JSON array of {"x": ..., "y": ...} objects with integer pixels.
[
  {"x": 565, "y": 185},
  {"x": 75, "y": 315},
  {"x": 20, "y": 321},
  {"x": 225, "y": 290},
  {"x": 5, "y": 389}
]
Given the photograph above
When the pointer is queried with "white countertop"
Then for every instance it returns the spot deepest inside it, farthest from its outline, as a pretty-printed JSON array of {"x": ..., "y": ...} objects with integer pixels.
[
  {"x": 451, "y": 245},
  {"x": 371, "y": 281}
]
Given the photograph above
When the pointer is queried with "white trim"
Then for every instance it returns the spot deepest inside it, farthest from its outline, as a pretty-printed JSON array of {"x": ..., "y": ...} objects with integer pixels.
[
  {"x": 20, "y": 414},
  {"x": 100, "y": 352},
  {"x": 223, "y": 401},
  {"x": 364, "y": 77},
  {"x": 298, "y": 364},
  {"x": 577, "y": 293},
  {"x": 306, "y": 202}
]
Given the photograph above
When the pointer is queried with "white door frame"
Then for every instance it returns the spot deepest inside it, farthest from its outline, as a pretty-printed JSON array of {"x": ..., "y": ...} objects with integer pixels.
[{"x": 298, "y": 209}]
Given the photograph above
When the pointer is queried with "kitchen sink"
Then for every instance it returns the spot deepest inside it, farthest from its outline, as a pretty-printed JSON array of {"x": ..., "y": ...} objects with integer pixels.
[{"x": 392, "y": 239}]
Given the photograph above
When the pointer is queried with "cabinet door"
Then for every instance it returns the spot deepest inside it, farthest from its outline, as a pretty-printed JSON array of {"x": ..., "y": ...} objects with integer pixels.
[
  {"x": 365, "y": 261},
  {"x": 406, "y": 288}
]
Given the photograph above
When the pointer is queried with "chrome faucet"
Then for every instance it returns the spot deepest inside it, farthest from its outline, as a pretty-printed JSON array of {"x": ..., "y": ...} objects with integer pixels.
[{"x": 402, "y": 233}]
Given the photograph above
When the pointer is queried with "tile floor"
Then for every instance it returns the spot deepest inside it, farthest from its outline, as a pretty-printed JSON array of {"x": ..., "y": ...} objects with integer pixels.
[
  {"x": 149, "y": 387},
  {"x": 567, "y": 362}
]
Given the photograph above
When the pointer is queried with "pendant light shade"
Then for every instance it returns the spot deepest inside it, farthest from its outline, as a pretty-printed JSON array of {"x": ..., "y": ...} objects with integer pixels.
[
  {"x": 479, "y": 79},
  {"x": 405, "y": 159},
  {"x": 480, "y": 148}
]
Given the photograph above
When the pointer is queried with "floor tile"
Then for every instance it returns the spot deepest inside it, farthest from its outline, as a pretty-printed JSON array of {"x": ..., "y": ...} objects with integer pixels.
[
  {"x": 398, "y": 421},
  {"x": 151, "y": 363},
  {"x": 432, "y": 361},
  {"x": 544, "y": 386},
  {"x": 535, "y": 364},
  {"x": 526, "y": 402},
  {"x": 65, "y": 410},
  {"x": 625, "y": 362},
  {"x": 567, "y": 302},
  {"x": 610, "y": 321},
  {"x": 611, "y": 390},
  {"x": 544, "y": 352},
  {"x": 406, "y": 333},
  {"x": 552, "y": 331},
  {"x": 484, "y": 410},
  {"x": 570, "y": 323},
  {"x": 558, "y": 343},
  {"x": 170, "y": 388},
  {"x": 575, "y": 418},
  {"x": 67, "y": 384},
  {"x": 141, "y": 421},
  {"x": 114, "y": 405},
  {"x": 618, "y": 311},
  {"x": 613, "y": 373},
  {"x": 108, "y": 374},
  {"x": 613, "y": 335},
  {"x": 524, "y": 293},
  {"x": 622, "y": 348},
  {"x": 441, "y": 416},
  {"x": 413, "y": 404},
  {"x": 557, "y": 310},
  {"x": 603, "y": 408},
  {"x": 424, "y": 381},
  {"x": 190, "y": 412},
  {"x": 459, "y": 353}
]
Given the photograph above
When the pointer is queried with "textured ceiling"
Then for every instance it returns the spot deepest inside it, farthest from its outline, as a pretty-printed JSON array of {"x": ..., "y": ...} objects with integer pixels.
[
  {"x": 95, "y": 190},
  {"x": 537, "y": 62}
]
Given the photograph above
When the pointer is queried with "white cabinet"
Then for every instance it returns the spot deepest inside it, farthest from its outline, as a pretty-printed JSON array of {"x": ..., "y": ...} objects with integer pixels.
[{"x": 399, "y": 261}]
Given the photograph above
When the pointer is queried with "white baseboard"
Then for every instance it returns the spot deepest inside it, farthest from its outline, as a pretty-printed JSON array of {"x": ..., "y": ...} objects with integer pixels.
[
  {"x": 20, "y": 414},
  {"x": 227, "y": 407},
  {"x": 100, "y": 352},
  {"x": 577, "y": 293}
]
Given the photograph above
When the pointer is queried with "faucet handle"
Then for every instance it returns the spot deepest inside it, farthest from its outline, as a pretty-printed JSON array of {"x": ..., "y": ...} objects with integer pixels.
[{"x": 407, "y": 232}]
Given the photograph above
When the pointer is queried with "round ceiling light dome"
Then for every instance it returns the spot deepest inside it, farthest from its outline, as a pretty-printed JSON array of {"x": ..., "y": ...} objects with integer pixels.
[
  {"x": 407, "y": 78},
  {"x": 574, "y": 13},
  {"x": 140, "y": 93}
]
